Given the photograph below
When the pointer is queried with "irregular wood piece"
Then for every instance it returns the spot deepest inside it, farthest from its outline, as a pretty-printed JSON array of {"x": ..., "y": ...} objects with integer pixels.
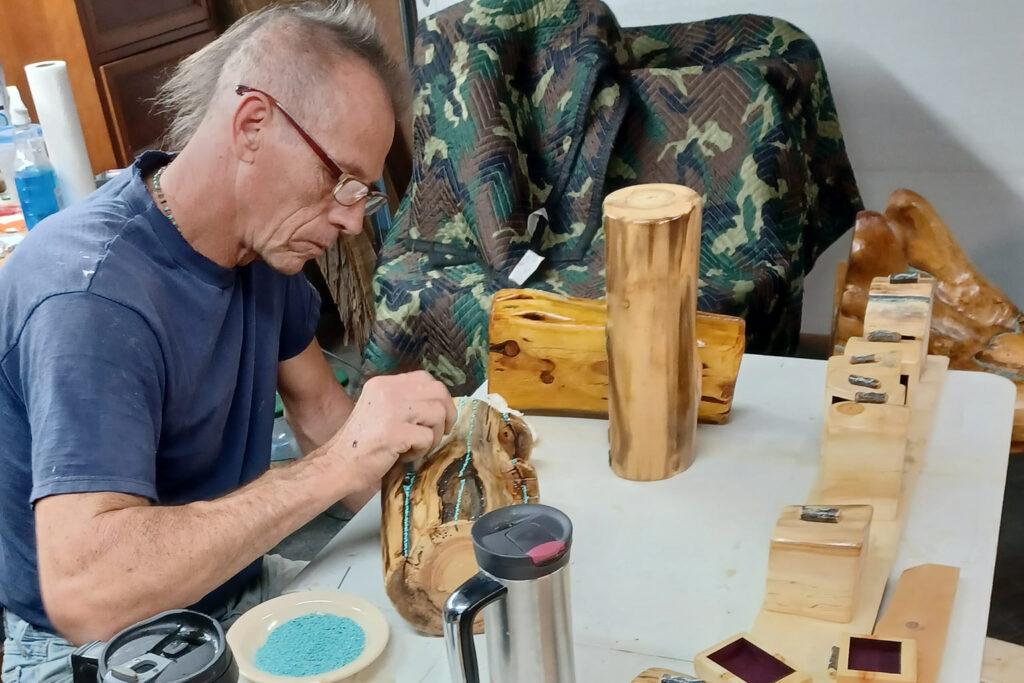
[
  {"x": 814, "y": 567},
  {"x": 862, "y": 456},
  {"x": 973, "y": 321},
  {"x": 548, "y": 353},
  {"x": 871, "y": 658},
  {"x": 652, "y": 244},
  {"x": 741, "y": 660},
  {"x": 919, "y": 608},
  {"x": 426, "y": 543}
]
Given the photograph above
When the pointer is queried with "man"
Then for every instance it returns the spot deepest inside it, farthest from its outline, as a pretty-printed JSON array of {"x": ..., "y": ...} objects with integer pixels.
[{"x": 145, "y": 331}]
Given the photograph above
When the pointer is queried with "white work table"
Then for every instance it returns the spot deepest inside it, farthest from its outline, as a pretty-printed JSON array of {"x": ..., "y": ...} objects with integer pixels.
[{"x": 662, "y": 570}]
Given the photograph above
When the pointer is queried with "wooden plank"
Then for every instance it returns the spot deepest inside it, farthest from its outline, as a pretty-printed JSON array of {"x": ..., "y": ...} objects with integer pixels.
[
  {"x": 919, "y": 608},
  {"x": 807, "y": 643},
  {"x": 661, "y": 676},
  {"x": 1003, "y": 663}
]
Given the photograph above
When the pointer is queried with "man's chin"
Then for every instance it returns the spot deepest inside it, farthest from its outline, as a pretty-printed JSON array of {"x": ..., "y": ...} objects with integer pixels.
[{"x": 287, "y": 264}]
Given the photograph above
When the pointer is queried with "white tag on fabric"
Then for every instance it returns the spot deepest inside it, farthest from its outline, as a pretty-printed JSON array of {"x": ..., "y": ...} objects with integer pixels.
[{"x": 526, "y": 267}]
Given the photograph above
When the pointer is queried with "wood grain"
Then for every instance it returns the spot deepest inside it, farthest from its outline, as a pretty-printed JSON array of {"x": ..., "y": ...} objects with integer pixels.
[
  {"x": 919, "y": 608},
  {"x": 973, "y": 322},
  {"x": 548, "y": 353},
  {"x": 439, "y": 556},
  {"x": 50, "y": 30},
  {"x": 815, "y": 568},
  {"x": 652, "y": 242}
]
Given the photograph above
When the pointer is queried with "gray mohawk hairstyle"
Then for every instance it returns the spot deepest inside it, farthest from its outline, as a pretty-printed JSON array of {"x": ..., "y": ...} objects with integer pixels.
[{"x": 309, "y": 31}]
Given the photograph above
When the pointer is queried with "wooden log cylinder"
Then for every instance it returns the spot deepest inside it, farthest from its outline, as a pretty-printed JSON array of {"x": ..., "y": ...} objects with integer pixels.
[
  {"x": 547, "y": 353},
  {"x": 652, "y": 236},
  {"x": 429, "y": 506}
]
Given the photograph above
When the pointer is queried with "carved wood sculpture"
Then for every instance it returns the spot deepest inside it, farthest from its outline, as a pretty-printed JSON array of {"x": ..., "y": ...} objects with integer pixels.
[
  {"x": 428, "y": 507},
  {"x": 548, "y": 353},
  {"x": 973, "y": 322},
  {"x": 652, "y": 244}
]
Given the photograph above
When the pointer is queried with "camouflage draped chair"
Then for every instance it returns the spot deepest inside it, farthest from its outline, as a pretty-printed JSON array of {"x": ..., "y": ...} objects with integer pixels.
[{"x": 529, "y": 104}]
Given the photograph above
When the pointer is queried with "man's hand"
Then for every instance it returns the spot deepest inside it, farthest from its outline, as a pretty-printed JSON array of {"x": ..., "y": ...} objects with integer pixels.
[{"x": 396, "y": 416}]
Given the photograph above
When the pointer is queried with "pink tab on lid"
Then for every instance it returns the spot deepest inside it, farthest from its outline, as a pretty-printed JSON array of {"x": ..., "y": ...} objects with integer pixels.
[{"x": 545, "y": 552}]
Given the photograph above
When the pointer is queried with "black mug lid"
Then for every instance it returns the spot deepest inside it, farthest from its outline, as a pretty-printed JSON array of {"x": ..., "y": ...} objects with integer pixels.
[
  {"x": 522, "y": 542},
  {"x": 180, "y": 645}
]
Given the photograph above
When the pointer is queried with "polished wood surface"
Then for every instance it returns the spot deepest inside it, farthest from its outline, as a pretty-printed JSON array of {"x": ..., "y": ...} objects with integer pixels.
[
  {"x": 548, "y": 353},
  {"x": 48, "y": 30},
  {"x": 421, "y": 574},
  {"x": 652, "y": 243},
  {"x": 973, "y": 322}
]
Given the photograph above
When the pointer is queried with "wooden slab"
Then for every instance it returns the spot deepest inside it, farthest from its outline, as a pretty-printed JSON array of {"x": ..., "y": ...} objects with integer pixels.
[
  {"x": 807, "y": 643},
  {"x": 1003, "y": 663},
  {"x": 662, "y": 676},
  {"x": 919, "y": 608}
]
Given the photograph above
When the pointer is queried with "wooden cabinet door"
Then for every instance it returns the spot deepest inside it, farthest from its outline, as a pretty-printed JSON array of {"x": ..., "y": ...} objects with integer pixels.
[
  {"x": 114, "y": 28},
  {"x": 128, "y": 85}
]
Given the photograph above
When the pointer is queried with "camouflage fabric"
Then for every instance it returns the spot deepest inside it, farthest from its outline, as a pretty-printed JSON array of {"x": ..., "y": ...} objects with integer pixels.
[{"x": 529, "y": 104}]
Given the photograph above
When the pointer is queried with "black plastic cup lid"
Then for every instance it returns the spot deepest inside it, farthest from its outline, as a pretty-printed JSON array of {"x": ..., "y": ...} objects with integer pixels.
[
  {"x": 522, "y": 542},
  {"x": 179, "y": 645}
]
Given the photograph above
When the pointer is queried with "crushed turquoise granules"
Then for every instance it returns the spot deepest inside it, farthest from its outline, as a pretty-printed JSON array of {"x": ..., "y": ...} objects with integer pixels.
[{"x": 311, "y": 644}]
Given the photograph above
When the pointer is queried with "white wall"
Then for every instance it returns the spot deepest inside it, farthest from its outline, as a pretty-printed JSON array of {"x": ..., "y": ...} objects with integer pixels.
[{"x": 930, "y": 96}]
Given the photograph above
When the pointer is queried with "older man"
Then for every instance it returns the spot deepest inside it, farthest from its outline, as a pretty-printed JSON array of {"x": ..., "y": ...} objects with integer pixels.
[{"x": 145, "y": 331}]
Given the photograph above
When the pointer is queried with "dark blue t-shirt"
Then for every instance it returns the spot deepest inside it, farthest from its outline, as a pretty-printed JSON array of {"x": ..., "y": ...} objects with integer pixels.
[{"x": 131, "y": 363}]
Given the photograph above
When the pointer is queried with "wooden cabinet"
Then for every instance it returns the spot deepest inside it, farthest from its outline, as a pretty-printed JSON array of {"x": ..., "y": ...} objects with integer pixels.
[
  {"x": 117, "y": 53},
  {"x": 114, "y": 28},
  {"x": 128, "y": 86}
]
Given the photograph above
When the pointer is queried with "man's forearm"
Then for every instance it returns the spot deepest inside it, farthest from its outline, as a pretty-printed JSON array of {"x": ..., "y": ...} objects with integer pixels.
[{"x": 146, "y": 559}]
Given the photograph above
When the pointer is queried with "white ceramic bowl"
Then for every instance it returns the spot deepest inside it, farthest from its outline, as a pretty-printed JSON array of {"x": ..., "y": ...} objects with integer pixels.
[{"x": 249, "y": 633}]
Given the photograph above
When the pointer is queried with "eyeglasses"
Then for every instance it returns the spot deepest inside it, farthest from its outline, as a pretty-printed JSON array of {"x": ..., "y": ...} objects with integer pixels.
[{"x": 349, "y": 190}]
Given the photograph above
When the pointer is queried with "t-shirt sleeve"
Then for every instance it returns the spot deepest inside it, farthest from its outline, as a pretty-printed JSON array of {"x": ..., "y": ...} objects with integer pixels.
[
  {"x": 300, "y": 318},
  {"x": 92, "y": 376}
]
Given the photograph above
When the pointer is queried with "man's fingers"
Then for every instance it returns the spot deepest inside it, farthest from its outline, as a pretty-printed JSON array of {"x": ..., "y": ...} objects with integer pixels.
[{"x": 418, "y": 441}]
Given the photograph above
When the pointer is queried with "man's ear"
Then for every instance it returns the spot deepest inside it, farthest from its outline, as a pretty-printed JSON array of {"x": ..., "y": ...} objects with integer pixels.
[{"x": 248, "y": 126}]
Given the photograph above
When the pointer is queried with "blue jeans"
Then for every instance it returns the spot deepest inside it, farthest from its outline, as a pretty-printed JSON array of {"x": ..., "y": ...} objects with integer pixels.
[{"x": 33, "y": 655}]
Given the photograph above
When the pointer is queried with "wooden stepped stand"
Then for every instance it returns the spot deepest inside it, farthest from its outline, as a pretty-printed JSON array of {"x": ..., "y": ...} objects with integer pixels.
[
  {"x": 428, "y": 508},
  {"x": 548, "y": 353}
]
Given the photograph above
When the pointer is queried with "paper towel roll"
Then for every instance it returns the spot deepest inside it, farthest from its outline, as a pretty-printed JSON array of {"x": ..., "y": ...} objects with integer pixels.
[{"x": 51, "y": 91}]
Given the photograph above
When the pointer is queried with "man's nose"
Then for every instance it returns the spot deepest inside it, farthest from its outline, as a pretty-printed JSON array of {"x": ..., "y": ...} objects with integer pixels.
[{"x": 347, "y": 219}]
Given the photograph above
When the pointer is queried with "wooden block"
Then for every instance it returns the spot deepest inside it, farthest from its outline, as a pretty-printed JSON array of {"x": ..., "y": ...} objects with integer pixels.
[
  {"x": 907, "y": 353},
  {"x": 862, "y": 456},
  {"x": 548, "y": 353},
  {"x": 870, "y": 658},
  {"x": 847, "y": 380},
  {"x": 919, "y": 608},
  {"x": 904, "y": 309},
  {"x": 740, "y": 660},
  {"x": 815, "y": 567}
]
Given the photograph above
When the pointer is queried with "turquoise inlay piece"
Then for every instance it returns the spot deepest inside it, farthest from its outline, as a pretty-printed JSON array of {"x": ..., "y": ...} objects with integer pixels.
[{"x": 465, "y": 462}]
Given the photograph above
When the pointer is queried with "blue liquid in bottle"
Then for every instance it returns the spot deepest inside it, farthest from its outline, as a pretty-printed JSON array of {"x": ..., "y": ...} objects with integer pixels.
[{"x": 37, "y": 192}]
